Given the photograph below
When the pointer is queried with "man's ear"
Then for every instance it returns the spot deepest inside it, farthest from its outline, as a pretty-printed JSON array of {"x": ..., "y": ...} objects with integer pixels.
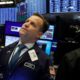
[{"x": 39, "y": 34}]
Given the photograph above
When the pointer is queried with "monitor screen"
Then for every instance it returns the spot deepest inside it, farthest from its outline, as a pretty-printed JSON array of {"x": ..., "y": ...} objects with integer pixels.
[
  {"x": 10, "y": 39},
  {"x": 64, "y": 6},
  {"x": 36, "y": 6},
  {"x": 45, "y": 45},
  {"x": 54, "y": 46},
  {"x": 12, "y": 28},
  {"x": 49, "y": 33}
]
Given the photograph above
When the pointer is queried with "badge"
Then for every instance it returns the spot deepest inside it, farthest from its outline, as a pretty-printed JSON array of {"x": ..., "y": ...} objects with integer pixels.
[
  {"x": 29, "y": 65},
  {"x": 33, "y": 55},
  {"x": 9, "y": 51}
]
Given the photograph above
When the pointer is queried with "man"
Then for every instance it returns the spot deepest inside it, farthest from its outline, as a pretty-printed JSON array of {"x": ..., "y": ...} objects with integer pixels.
[
  {"x": 69, "y": 69},
  {"x": 32, "y": 63}
]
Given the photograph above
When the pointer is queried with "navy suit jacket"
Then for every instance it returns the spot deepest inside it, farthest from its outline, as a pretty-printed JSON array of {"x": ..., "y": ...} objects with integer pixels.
[{"x": 25, "y": 69}]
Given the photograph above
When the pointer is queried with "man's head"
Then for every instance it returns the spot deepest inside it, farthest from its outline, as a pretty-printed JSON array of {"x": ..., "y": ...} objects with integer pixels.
[
  {"x": 45, "y": 25},
  {"x": 33, "y": 28}
]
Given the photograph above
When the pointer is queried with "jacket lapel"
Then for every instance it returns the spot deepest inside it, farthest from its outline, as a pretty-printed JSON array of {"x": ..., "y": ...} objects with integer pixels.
[
  {"x": 10, "y": 50},
  {"x": 25, "y": 56}
]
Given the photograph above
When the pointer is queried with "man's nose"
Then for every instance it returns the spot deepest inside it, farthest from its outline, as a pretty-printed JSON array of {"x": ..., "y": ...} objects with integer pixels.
[{"x": 27, "y": 24}]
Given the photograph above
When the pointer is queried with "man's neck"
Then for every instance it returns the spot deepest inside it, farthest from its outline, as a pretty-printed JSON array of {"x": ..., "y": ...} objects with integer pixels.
[{"x": 27, "y": 41}]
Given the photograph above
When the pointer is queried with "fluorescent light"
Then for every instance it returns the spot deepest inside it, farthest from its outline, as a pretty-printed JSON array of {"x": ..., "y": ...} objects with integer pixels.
[{"x": 7, "y": 2}]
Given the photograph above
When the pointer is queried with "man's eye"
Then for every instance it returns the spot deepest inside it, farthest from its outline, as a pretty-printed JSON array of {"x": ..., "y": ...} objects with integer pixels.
[
  {"x": 27, "y": 21},
  {"x": 33, "y": 24}
]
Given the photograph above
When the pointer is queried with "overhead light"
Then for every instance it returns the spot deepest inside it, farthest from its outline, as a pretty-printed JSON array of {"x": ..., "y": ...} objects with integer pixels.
[{"x": 7, "y": 2}]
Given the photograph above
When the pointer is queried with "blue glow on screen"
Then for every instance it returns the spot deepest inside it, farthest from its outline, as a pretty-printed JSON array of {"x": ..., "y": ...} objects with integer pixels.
[
  {"x": 12, "y": 28},
  {"x": 49, "y": 33},
  {"x": 48, "y": 45},
  {"x": 10, "y": 39},
  {"x": 64, "y": 6}
]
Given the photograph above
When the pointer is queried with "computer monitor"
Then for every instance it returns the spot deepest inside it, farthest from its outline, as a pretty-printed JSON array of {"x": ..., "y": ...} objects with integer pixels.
[
  {"x": 12, "y": 32},
  {"x": 64, "y": 6},
  {"x": 45, "y": 41},
  {"x": 12, "y": 28},
  {"x": 10, "y": 39},
  {"x": 48, "y": 35},
  {"x": 45, "y": 45}
]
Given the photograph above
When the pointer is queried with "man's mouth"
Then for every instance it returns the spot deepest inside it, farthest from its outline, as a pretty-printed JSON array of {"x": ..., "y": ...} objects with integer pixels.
[{"x": 24, "y": 29}]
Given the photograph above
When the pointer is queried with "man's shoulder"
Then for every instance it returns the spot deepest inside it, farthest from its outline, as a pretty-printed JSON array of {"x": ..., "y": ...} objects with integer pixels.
[{"x": 9, "y": 47}]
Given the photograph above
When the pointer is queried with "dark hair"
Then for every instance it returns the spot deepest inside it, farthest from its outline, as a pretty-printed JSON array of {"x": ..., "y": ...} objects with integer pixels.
[{"x": 45, "y": 23}]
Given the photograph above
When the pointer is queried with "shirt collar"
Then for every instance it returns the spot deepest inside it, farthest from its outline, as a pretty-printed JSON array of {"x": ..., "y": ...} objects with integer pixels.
[{"x": 28, "y": 45}]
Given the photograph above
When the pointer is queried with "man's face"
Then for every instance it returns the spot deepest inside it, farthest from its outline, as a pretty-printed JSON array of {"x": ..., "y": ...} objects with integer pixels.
[{"x": 31, "y": 28}]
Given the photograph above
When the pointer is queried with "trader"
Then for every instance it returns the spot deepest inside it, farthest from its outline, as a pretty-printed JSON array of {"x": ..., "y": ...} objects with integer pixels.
[{"x": 24, "y": 60}]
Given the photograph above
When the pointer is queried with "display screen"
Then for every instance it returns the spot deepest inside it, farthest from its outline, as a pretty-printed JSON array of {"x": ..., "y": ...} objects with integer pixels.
[
  {"x": 10, "y": 39},
  {"x": 36, "y": 6},
  {"x": 64, "y": 6},
  {"x": 12, "y": 28},
  {"x": 12, "y": 32},
  {"x": 49, "y": 33},
  {"x": 45, "y": 45}
]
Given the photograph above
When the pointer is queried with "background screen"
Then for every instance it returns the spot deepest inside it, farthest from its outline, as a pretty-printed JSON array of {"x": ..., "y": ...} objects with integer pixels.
[
  {"x": 10, "y": 39},
  {"x": 12, "y": 28},
  {"x": 49, "y": 33},
  {"x": 45, "y": 45}
]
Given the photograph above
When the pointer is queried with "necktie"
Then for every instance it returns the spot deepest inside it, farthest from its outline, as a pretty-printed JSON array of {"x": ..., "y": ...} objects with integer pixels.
[{"x": 15, "y": 57}]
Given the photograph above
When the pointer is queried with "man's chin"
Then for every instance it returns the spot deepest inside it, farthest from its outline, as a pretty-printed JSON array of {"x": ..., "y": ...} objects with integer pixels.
[{"x": 21, "y": 32}]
